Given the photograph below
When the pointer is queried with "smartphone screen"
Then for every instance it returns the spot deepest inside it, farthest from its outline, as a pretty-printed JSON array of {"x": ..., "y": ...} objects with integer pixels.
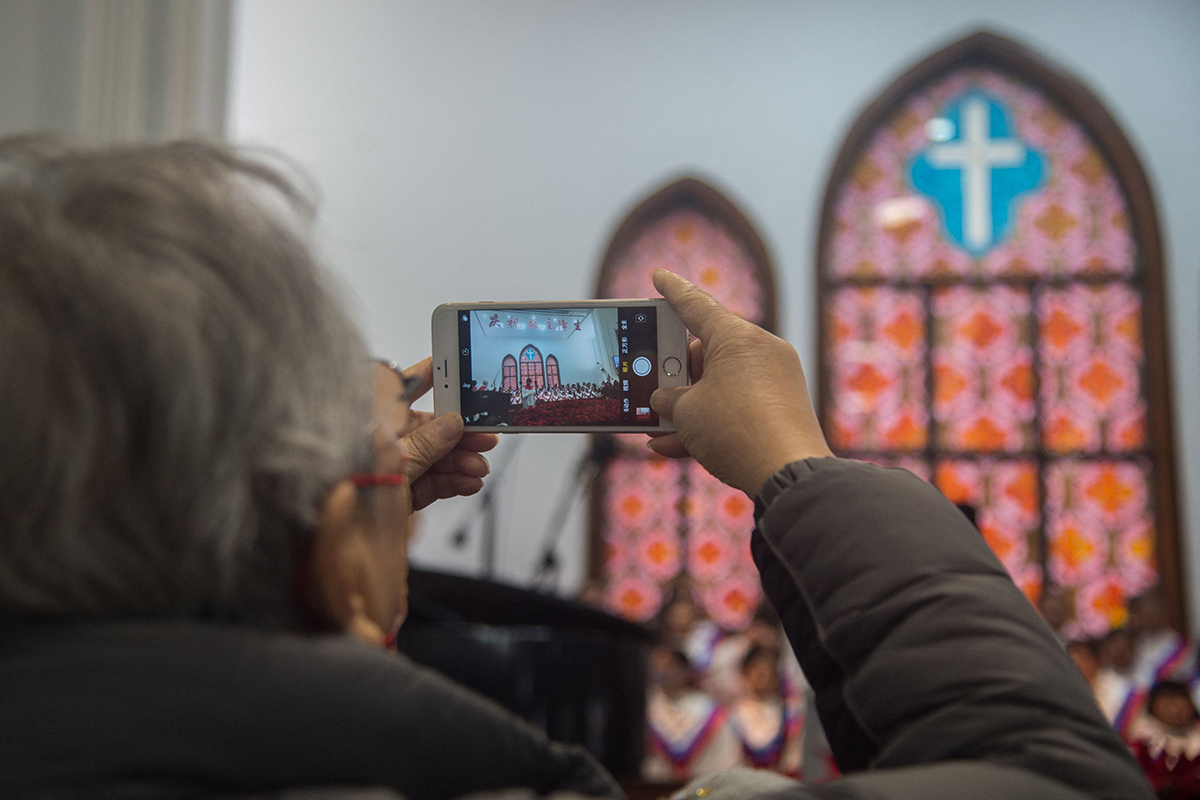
[{"x": 558, "y": 366}]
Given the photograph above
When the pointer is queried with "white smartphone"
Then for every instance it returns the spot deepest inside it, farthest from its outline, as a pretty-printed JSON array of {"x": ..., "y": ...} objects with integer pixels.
[{"x": 585, "y": 366}]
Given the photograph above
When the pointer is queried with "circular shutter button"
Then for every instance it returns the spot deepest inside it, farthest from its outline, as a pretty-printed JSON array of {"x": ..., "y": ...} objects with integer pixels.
[{"x": 672, "y": 366}]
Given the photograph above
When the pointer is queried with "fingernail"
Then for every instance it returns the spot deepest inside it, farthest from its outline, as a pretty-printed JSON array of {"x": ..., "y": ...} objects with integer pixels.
[{"x": 448, "y": 423}]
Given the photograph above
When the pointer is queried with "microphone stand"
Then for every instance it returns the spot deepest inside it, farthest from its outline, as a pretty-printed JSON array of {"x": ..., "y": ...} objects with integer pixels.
[
  {"x": 587, "y": 469},
  {"x": 488, "y": 511}
]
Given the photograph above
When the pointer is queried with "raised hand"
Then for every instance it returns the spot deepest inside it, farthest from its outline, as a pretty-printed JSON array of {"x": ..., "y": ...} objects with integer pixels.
[
  {"x": 442, "y": 460},
  {"x": 747, "y": 413}
]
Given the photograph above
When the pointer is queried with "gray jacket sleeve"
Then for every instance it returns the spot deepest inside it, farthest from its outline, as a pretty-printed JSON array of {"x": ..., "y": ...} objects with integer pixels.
[{"x": 934, "y": 675}]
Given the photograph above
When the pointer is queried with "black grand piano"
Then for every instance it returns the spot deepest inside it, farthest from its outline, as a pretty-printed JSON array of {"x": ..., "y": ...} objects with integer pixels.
[
  {"x": 487, "y": 407},
  {"x": 575, "y": 672}
]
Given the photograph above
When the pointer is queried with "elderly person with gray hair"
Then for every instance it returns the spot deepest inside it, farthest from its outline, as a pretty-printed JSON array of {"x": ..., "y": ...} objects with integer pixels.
[
  {"x": 206, "y": 484},
  {"x": 205, "y": 502}
]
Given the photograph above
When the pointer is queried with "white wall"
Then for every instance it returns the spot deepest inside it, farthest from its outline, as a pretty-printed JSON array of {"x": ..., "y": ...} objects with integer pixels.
[
  {"x": 487, "y": 150},
  {"x": 584, "y": 355}
]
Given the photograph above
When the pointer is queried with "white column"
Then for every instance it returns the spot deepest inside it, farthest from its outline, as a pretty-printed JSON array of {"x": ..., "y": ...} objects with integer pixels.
[{"x": 153, "y": 69}]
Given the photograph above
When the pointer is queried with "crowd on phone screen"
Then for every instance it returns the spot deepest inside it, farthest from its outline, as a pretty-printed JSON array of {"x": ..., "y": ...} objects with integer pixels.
[
  {"x": 1146, "y": 679},
  {"x": 553, "y": 394}
]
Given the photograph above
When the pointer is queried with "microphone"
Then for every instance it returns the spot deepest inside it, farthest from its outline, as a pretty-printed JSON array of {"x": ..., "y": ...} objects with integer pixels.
[
  {"x": 459, "y": 538},
  {"x": 604, "y": 449},
  {"x": 485, "y": 511}
]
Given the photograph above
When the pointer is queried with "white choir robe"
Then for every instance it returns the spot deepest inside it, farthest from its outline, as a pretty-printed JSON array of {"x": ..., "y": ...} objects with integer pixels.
[
  {"x": 687, "y": 736},
  {"x": 1112, "y": 691},
  {"x": 723, "y": 679},
  {"x": 770, "y": 737},
  {"x": 701, "y": 643}
]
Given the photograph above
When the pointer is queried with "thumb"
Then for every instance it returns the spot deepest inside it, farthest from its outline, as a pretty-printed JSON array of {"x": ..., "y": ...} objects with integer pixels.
[
  {"x": 432, "y": 442},
  {"x": 663, "y": 400}
]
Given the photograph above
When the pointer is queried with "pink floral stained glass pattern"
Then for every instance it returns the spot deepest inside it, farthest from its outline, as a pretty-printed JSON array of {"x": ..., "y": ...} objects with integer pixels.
[
  {"x": 1091, "y": 348},
  {"x": 1004, "y": 494},
  {"x": 719, "y": 523},
  {"x": 982, "y": 370},
  {"x": 700, "y": 249},
  {"x": 642, "y": 547},
  {"x": 1100, "y": 533},
  {"x": 877, "y": 382},
  {"x": 1077, "y": 224}
]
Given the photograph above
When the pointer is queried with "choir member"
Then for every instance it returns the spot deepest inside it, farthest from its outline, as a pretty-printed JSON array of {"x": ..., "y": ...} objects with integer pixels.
[
  {"x": 688, "y": 734},
  {"x": 759, "y": 719},
  {"x": 1166, "y": 741}
]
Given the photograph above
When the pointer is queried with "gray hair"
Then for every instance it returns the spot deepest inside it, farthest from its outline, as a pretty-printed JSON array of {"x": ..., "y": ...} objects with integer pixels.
[{"x": 182, "y": 384}]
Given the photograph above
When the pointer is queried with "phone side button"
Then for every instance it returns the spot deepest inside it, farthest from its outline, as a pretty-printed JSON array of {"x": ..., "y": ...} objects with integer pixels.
[{"x": 672, "y": 366}]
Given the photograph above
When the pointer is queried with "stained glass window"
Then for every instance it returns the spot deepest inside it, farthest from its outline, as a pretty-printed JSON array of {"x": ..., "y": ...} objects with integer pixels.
[
  {"x": 657, "y": 518},
  {"x": 985, "y": 322},
  {"x": 508, "y": 374},
  {"x": 531, "y": 366},
  {"x": 552, "y": 379}
]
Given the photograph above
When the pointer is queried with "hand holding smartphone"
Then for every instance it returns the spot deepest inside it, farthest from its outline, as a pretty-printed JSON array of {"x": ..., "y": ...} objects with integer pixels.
[{"x": 573, "y": 367}]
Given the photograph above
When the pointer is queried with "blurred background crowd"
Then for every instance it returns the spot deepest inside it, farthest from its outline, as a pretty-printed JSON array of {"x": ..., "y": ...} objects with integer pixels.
[{"x": 718, "y": 699}]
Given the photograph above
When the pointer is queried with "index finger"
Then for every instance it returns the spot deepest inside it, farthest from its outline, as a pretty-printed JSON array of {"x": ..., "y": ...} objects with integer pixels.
[
  {"x": 700, "y": 312},
  {"x": 423, "y": 369}
]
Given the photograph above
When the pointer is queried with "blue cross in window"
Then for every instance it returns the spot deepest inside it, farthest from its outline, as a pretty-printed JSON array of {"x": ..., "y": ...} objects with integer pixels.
[{"x": 975, "y": 169}]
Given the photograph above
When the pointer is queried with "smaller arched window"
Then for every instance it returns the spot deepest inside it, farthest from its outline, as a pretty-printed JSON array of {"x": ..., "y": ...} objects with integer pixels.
[
  {"x": 552, "y": 378},
  {"x": 508, "y": 373},
  {"x": 532, "y": 367},
  {"x": 660, "y": 523}
]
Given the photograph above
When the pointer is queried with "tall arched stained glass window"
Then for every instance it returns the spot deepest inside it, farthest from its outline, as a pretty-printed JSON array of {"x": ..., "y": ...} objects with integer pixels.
[
  {"x": 992, "y": 318},
  {"x": 532, "y": 367},
  {"x": 656, "y": 519},
  {"x": 552, "y": 378},
  {"x": 508, "y": 374}
]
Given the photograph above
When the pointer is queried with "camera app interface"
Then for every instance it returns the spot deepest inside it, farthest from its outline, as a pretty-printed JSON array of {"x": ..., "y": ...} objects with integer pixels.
[{"x": 558, "y": 366}]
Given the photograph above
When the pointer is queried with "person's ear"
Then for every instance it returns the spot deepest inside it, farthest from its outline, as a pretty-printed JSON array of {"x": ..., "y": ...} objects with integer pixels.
[{"x": 341, "y": 576}]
